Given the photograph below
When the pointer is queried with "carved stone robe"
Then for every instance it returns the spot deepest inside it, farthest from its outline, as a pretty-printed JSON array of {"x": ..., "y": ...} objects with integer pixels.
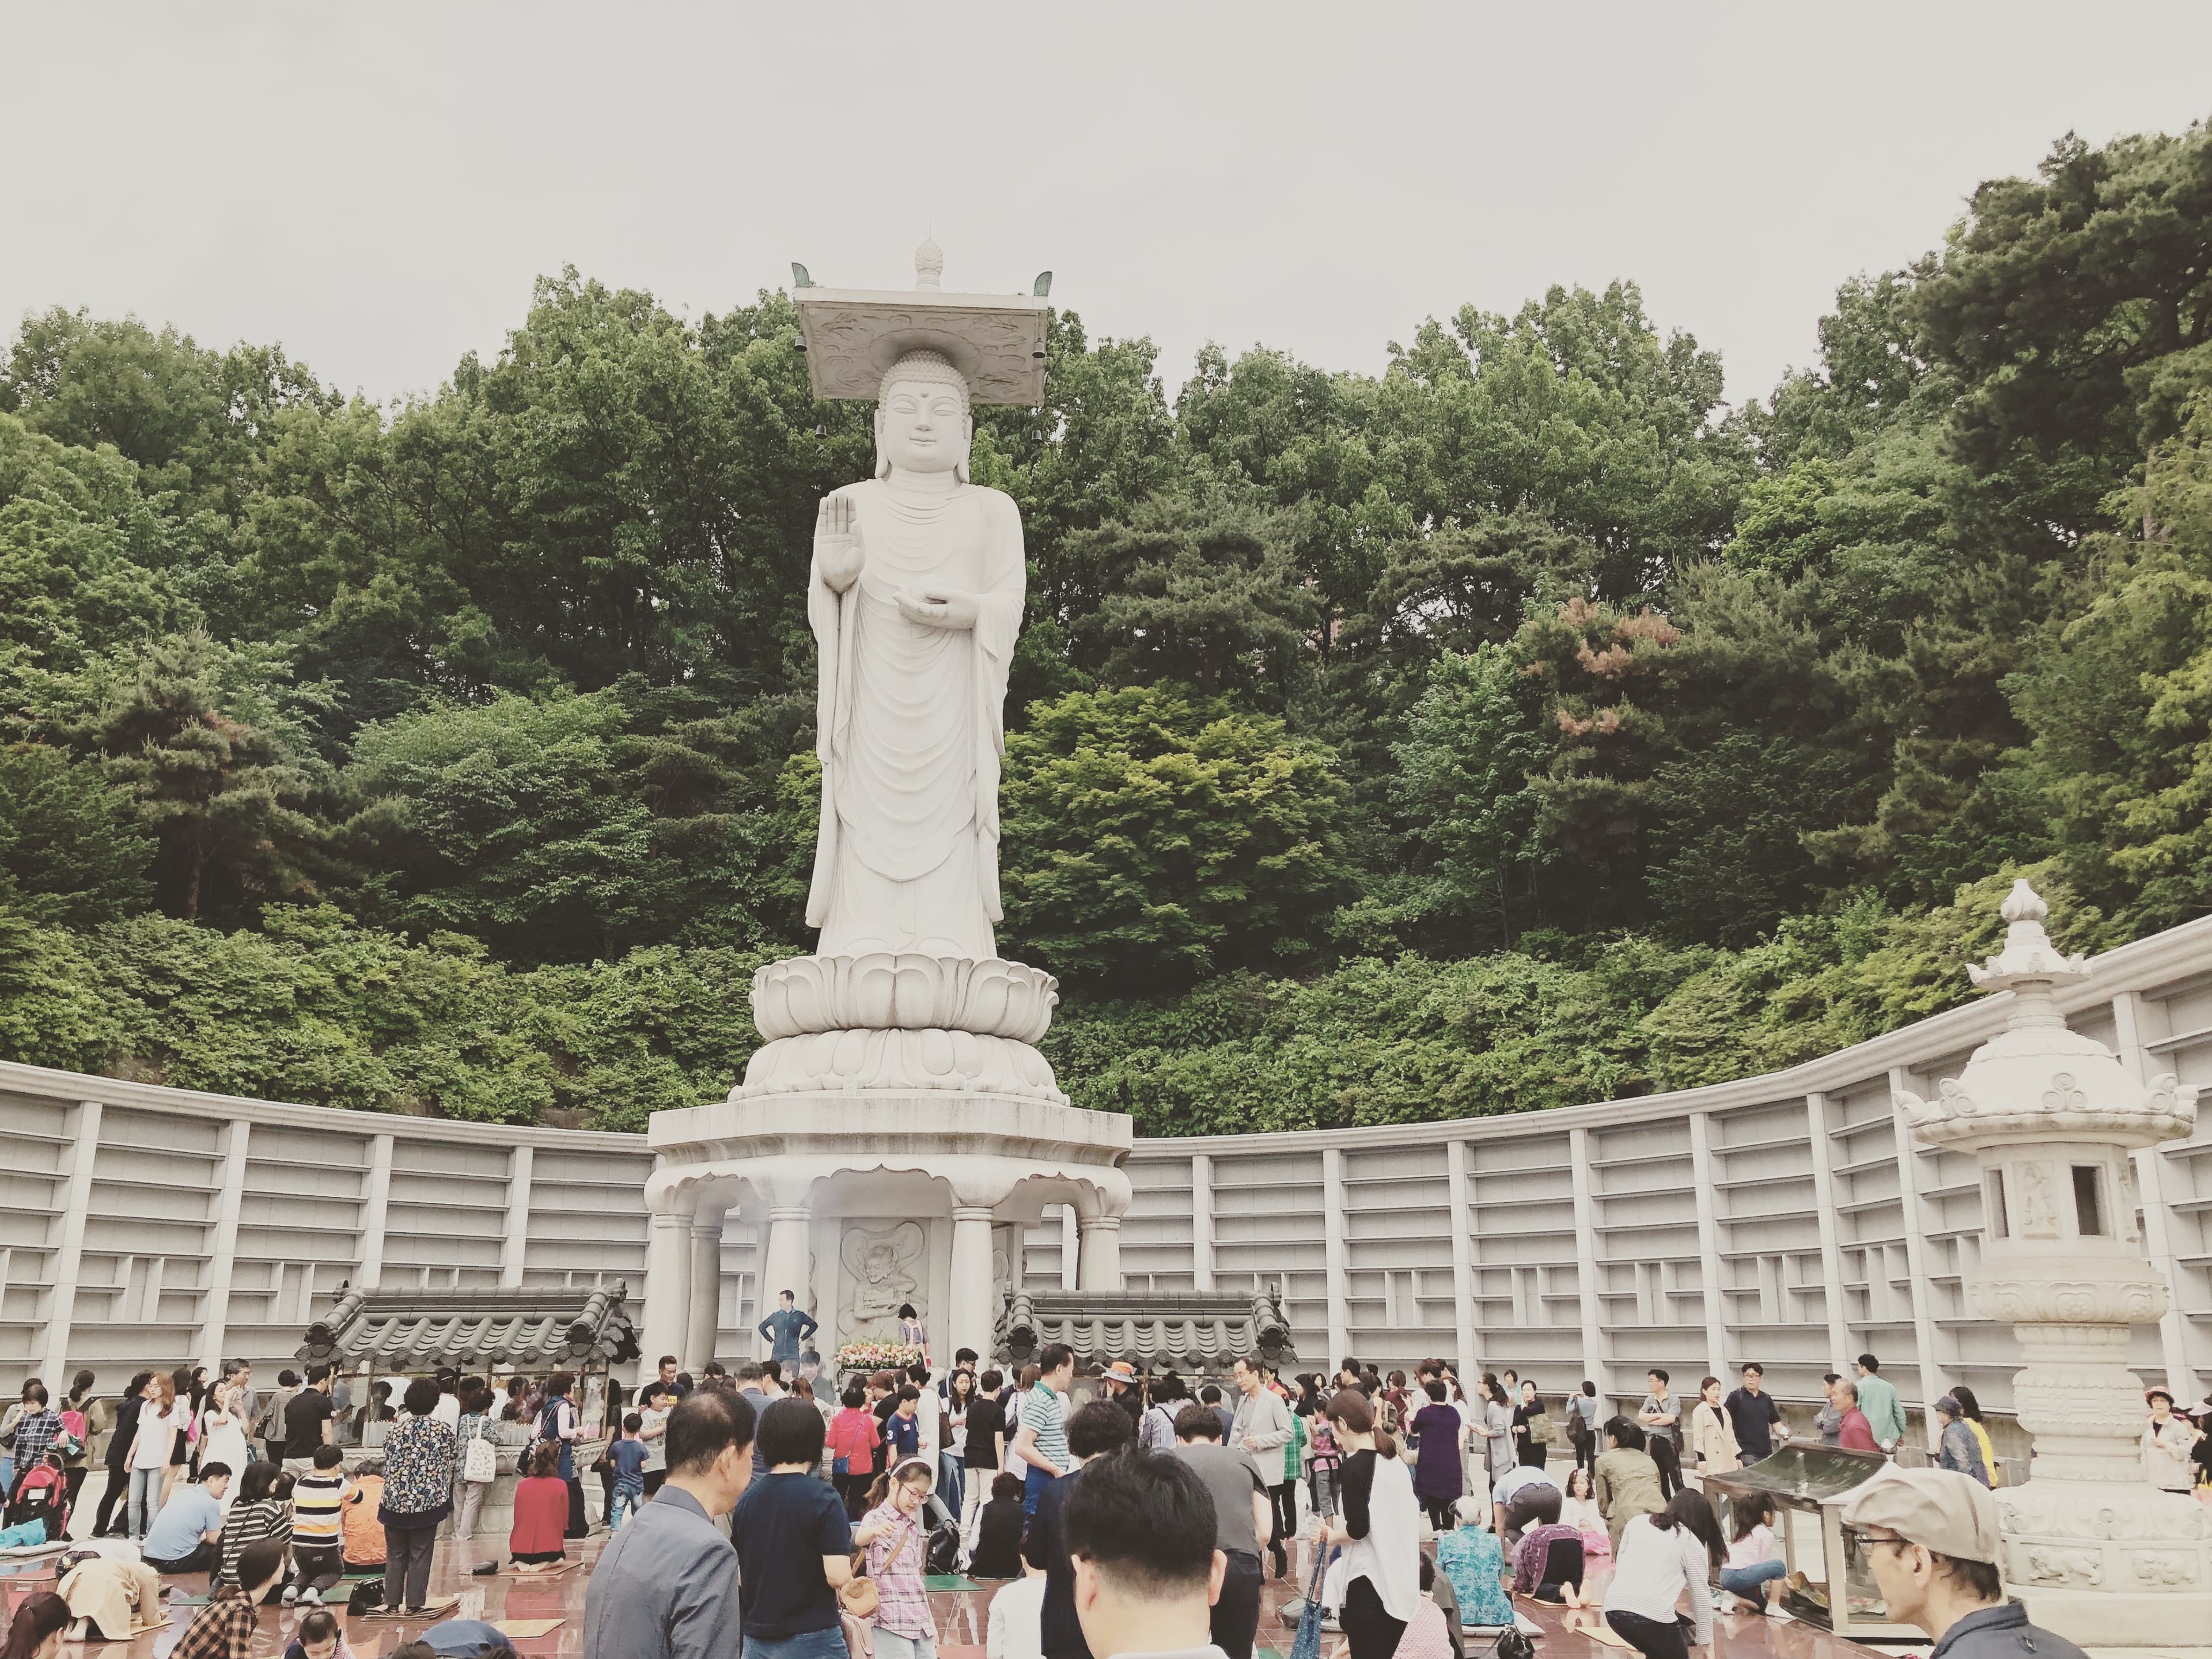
[{"x": 910, "y": 726}]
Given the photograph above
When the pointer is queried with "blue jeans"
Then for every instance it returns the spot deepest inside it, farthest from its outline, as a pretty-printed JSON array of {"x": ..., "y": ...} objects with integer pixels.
[
  {"x": 1746, "y": 1581},
  {"x": 811, "y": 1644},
  {"x": 145, "y": 1500},
  {"x": 1034, "y": 1481},
  {"x": 951, "y": 1480},
  {"x": 631, "y": 1497}
]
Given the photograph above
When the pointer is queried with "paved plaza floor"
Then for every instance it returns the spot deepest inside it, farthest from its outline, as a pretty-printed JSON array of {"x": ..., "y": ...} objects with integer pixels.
[{"x": 960, "y": 1617}]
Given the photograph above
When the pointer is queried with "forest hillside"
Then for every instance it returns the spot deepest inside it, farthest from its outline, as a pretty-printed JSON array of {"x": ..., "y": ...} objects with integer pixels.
[{"x": 1540, "y": 720}]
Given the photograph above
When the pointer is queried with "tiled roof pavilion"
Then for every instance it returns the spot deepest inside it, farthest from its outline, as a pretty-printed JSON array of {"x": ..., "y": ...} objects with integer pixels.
[
  {"x": 422, "y": 1330},
  {"x": 1203, "y": 1331}
]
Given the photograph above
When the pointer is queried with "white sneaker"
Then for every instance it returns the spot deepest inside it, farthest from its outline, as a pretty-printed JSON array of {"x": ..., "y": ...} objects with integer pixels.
[
  {"x": 291, "y": 1597},
  {"x": 311, "y": 1597},
  {"x": 1776, "y": 1610}
]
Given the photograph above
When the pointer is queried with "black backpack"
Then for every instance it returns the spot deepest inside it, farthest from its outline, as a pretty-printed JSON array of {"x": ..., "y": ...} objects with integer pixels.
[{"x": 943, "y": 1555}]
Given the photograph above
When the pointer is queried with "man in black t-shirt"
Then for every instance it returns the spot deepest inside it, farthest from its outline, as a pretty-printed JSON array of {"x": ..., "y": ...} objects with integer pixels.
[
  {"x": 986, "y": 1428},
  {"x": 1753, "y": 1415},
  {"x": 307, "y": 1419}
]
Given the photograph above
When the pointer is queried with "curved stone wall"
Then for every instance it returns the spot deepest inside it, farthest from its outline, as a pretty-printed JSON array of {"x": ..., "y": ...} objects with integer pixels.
[{"x": 1780, "y": 1218}]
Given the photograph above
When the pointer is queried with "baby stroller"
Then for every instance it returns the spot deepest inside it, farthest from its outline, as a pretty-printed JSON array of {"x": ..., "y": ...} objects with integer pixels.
[{"x": 41, "y": 1494}]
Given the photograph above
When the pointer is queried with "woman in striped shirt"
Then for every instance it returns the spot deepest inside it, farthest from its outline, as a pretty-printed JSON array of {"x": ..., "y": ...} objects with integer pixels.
[{"x": 261, "y": 1512}]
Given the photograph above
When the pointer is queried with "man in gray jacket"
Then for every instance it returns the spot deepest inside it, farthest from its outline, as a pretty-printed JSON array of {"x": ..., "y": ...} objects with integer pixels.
[{"x": 1261, "y": 1428}]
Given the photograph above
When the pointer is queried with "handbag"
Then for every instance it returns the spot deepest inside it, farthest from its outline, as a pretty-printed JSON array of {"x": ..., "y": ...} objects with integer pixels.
[
  {"x": 1306, "y": 1643},
  {"x": 480, "y": 1462},
  {"x": 858, "y": 1595},
  {"x": 1539, "y": 1430}
]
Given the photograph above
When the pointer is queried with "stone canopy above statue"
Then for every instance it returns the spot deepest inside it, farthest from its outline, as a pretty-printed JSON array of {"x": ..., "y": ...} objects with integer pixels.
[{"x": 852, "y": 335}]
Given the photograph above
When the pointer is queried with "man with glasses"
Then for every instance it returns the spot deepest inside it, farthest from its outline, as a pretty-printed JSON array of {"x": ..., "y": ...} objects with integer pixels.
[{"x": 1932, "y": 1547}]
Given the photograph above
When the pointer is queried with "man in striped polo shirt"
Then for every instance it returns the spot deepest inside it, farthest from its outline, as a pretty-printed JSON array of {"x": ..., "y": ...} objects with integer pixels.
[
  {"x": 317, "y": 1548},
  {"x": 1041, "y": 1441}
]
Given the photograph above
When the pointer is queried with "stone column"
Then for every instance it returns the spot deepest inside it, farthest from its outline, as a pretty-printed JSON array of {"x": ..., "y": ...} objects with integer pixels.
[
  {"x": 783, "y": 1259},
  {"x": 667, "y": 1282},
  {"x": 969, "y": 1318},
  {"x": 703, "y": 1321},
  {"x": 2051, "y": 1116},
  {"x": 376, "y": 1200},
  {"x": 222, "y": 1256},
  {"x": 1098, "y": 1254},
  {"x": 68, "y": 1259},
  {"x": 515, "y": 1243}
]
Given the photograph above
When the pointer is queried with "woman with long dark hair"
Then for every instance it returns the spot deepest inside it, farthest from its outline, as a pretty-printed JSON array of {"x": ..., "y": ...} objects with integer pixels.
[
  {"x": 1378, "y": 1525},
  {"x": 1973, "y": 1407},
  {"x": 1661, "y": 1557},
  {"x": 1755, "y": 1567},
  {"x": 37, "y": 1630}
]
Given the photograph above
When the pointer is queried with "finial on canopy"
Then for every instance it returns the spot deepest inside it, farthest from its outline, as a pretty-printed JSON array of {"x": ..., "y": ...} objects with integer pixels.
[
  {"x": 2028, "y": 955},
  {"x": 929, "y": 264}
]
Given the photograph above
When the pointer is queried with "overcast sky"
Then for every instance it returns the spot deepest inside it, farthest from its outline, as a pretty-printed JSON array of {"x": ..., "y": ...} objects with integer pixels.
[{"x": 377, "y": 186}]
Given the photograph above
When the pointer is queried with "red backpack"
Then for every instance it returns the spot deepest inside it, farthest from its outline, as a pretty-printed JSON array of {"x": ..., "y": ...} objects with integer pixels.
[{"x": 41, "y": 1494}]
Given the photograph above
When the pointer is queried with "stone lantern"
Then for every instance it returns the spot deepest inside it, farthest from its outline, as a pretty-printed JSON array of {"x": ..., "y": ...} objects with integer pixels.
[{"x": 2050, "y": 1117}]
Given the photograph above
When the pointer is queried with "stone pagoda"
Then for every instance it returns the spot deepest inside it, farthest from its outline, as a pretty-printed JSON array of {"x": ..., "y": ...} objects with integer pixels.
[{"x": 2052, "y": 1117}]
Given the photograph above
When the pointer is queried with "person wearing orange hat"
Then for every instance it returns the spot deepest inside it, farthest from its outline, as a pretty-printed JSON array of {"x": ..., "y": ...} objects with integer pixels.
[{"x": 1934, "y": 1551}]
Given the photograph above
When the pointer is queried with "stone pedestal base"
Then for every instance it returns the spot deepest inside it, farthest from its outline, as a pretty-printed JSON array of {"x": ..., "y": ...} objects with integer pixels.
[{"x": 2108, "y": 1564}]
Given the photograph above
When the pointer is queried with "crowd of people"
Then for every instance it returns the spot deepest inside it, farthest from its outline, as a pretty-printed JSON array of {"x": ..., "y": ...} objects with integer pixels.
[
  {"x": 764, "y": 1506},
  {"x": 1143, "y": 1514}
]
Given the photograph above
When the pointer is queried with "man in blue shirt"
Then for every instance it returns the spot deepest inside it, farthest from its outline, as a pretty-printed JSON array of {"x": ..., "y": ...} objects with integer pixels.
[
  {"x": 786, "y": 1330},
  {"x": 187, "y": 1535}
]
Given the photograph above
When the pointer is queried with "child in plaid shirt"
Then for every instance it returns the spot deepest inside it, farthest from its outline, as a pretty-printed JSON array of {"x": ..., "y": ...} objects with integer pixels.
[{"x": 893, "y": 1538}]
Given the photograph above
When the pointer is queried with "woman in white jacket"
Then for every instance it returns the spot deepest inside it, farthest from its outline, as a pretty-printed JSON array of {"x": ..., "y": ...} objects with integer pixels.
[{"x": 1378, "y": 1525}]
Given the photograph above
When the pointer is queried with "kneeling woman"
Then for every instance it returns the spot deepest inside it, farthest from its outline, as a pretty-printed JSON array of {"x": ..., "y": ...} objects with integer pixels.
[
  {"x": 1661, "y": 1557},
  {"x": 1378, "y": 1523},
  {"x": 541, "y": 1515}
]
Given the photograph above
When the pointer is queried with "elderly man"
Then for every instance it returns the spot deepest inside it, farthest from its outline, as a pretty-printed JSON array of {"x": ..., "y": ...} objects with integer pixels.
[
  {"x": 666, "y": 1586},
  {"x": 1933, "y": 1538}
]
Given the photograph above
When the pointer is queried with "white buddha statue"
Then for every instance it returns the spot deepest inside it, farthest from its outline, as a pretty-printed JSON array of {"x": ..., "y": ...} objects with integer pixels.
[{"x": 915, "y": 599}]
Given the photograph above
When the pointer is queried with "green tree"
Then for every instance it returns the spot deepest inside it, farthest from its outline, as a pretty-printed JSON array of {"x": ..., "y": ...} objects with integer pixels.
[
  {"x": 72, "y": 851},
  {"x": 1462, "y": 783},
  {"x": 1203, "y": 594},
  {"x": 1151, "y": 835},
  {"x": 214, "y": 744}
]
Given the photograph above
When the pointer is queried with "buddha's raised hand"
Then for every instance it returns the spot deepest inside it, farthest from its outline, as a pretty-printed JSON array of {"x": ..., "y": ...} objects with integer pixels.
[{"x": 838, "y": 552}]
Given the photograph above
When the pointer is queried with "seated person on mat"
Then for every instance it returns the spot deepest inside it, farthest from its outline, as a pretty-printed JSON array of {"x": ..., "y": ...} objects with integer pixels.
[
  {"x": 541, "y": 1515},
  {"x": 1472, "y": 1559},
  {"x": 358, "y": 1524},
  {"x": 186, "y": 1534}
]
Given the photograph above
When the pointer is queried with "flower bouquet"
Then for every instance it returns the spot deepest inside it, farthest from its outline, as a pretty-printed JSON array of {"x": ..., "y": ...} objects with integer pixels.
[{"x": 855, "y": 1357}]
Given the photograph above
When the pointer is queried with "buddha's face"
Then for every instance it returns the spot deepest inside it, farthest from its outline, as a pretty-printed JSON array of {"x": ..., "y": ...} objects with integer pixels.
[{"x": 923, "y": 428}]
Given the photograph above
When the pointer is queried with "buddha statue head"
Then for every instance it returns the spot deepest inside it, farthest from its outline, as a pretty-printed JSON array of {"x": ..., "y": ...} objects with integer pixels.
[{"x": 922, "y": 419}]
